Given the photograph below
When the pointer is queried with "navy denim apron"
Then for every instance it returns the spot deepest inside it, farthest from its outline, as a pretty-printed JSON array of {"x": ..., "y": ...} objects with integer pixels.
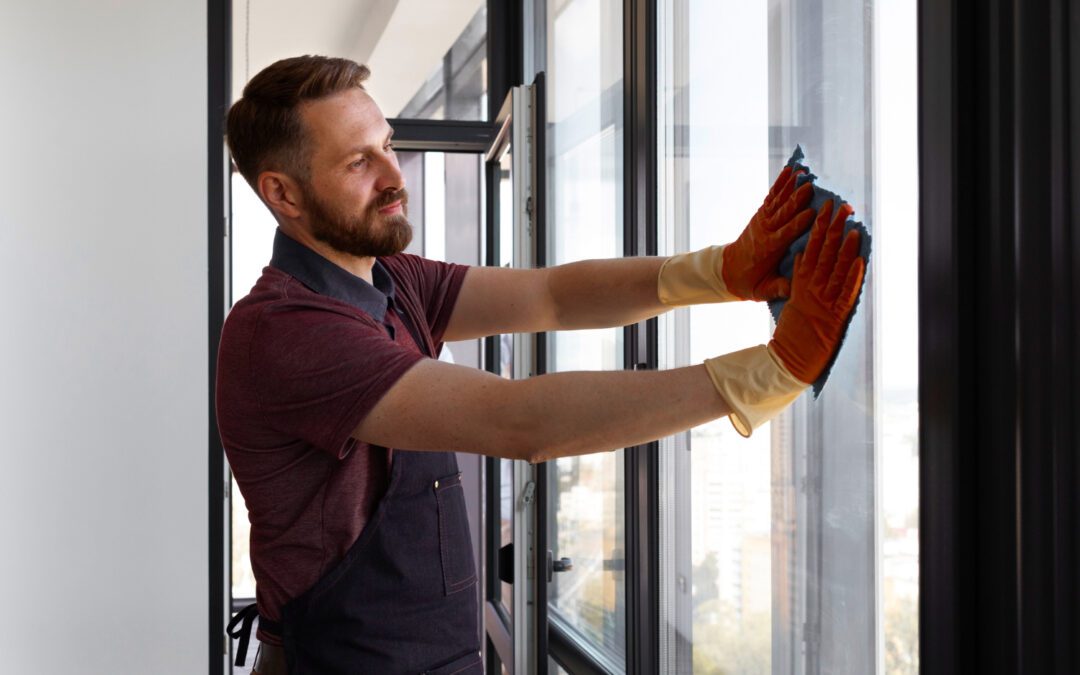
[{"x": 403, "y": 600}]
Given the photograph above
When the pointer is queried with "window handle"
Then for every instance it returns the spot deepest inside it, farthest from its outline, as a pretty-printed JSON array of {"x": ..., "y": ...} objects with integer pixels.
[{"x": 560, "y": 565}]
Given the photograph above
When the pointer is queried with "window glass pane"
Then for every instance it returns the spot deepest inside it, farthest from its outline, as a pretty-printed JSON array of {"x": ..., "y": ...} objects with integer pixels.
[
  {"x": 722, "y": 508},
  {"x": 584, "y": 166},
  {"x": 795, "y": 550},
  {"x": 428, "y": 59},
  {"x": 897, "y": 214},
  {"x": 504, "y": 257}
]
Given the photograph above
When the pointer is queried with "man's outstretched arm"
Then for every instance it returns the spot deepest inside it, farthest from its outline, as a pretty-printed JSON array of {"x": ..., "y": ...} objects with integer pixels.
[
  {"x": 605, "y": 293},
  {"x": 587, "y": 294},
  {"x": 440, "y": 406}
]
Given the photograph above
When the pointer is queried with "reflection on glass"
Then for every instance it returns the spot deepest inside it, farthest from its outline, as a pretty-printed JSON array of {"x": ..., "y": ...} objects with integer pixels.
[
  {"x": 584, "y": 162},
  {"x": 780, "y": 553}
]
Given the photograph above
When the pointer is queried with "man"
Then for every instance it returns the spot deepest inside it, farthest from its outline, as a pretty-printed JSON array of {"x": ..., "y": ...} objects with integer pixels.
[{"x": 339, "y": 422}]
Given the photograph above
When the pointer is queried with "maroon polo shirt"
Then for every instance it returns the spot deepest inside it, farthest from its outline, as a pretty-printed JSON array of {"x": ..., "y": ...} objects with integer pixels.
[{"x": 303, "y": 358}]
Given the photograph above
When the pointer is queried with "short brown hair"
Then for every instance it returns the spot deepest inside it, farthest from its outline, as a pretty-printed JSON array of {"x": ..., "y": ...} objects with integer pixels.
[{"x": 264, "y": 129}]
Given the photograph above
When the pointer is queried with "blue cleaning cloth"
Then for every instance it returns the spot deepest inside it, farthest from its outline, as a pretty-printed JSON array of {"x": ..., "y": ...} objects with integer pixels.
[{"x": 787, "y": 263}]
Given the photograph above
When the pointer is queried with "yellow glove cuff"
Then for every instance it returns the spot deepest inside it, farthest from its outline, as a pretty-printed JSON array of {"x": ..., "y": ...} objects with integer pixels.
[
  {"x": 755, "y": 384},
  {"x": 694, "y": 278}
]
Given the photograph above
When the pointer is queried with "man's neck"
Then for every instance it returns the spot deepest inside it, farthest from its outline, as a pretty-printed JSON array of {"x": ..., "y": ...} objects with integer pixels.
[{"x": 360, "y": 267}]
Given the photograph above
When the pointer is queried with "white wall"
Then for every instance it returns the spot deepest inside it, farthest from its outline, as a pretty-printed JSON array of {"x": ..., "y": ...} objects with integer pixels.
[{"x": 103, "y": 325}]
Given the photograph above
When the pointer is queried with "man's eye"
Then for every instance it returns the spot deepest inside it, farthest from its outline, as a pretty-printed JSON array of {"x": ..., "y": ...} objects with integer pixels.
[
  {"x": 358, "y": 163},
  {"x": 389, "y": 147}
]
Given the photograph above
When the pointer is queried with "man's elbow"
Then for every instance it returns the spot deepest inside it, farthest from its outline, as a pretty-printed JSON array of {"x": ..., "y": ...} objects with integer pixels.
[
  {"x": 522, "y": 434},
  {"x": 521, "y": 440},
  {"x": 535, "y": 441},
  {"x": 526, "y": 429}
]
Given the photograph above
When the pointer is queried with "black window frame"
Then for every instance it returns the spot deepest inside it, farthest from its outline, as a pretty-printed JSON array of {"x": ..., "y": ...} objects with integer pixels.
[
  {"x": 999, "y": 253},
  {"x": 218, "y": 69}
]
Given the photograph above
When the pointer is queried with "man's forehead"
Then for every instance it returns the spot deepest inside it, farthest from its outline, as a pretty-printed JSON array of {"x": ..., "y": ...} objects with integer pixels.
[{"x": 349, "y": 117}]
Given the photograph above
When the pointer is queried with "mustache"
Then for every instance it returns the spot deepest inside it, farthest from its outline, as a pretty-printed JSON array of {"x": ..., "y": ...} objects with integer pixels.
[{"x": 389, "y": 198}]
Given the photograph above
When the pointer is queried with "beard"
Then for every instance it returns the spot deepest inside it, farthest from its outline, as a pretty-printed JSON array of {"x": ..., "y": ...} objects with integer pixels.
[{"x": 367, "y": 235}]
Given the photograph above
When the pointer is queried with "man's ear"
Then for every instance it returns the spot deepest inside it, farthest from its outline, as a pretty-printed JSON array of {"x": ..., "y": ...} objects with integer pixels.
[{"x": 281, "y": 193}]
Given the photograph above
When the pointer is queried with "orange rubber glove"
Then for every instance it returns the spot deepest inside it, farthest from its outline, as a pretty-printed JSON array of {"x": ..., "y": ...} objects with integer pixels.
[
  {"x": 746, "y": 268},
  {"x": 750, "y": 262},
  {"x": 826, "y": 282},
  {"x": 761, "y": 381}
]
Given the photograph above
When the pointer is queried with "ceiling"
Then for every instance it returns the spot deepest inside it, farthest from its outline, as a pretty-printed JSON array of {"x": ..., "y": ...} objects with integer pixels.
[{"x": 402, "y": 41}]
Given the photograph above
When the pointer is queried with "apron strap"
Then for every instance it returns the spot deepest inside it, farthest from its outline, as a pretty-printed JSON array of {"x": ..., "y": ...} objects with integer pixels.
[
  {"x": 247, "y": 615},
  {"x": 270, "y": 627}
]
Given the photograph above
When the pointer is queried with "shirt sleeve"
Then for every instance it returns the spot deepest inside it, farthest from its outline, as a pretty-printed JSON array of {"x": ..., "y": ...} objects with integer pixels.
[
  {"x": 437, "y": 284},
  {"x": 318, "y": 371}
]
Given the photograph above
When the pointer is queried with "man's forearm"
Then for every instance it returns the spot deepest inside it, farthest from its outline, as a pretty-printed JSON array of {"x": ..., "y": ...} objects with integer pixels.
[
  {"x": 605, "y": 293},
  {"x": 577, "y": 413},
  {"x": 440, "y": 406}
]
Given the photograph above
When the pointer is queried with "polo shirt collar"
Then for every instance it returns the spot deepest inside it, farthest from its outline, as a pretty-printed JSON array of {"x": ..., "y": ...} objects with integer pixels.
[{"x": 326, "y": 278}]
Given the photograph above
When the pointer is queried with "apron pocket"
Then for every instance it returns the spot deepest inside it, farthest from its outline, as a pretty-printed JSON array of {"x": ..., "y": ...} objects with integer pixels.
[{"x": 455, "y": 545}]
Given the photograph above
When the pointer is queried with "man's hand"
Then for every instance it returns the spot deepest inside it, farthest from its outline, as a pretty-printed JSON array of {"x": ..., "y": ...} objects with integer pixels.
[
  {"x": 759, "y": 382},
  {"x": 746, "y": 268},
  {"x": 826, "y": 282},
  {"x": 750, "y": 262}
]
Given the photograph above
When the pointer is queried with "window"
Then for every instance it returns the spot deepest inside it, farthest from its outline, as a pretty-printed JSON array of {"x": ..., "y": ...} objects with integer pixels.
[
  {"x": 427, "y": 60},
  {"x": 456, "y": 87},
  {"x": 796, "y": 550},
  {"x": 583, "y": 64}
]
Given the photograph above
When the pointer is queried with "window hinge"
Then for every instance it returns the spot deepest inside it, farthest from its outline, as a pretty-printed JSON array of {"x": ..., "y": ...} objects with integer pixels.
[{"x": 527, "y": 493}]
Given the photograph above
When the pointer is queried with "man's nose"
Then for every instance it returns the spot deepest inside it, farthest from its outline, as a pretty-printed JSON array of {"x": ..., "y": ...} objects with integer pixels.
[{"x": 390, "y": 176}]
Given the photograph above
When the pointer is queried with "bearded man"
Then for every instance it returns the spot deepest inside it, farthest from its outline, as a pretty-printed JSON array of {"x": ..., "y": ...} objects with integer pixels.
[{"x": 340, "y": 423}]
